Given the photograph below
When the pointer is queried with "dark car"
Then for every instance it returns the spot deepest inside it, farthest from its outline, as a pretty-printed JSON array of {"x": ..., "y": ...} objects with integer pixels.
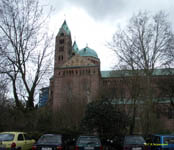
[
  {"x": 50, "y": 142},
  {"x": 134, "y": 142},
  {"x": 88, "y": 143}
]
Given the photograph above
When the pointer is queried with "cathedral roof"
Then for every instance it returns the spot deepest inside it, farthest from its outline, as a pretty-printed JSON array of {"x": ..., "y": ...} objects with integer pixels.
[
  {"x": 75, "y": 47},
  {"x": 129, "y": 73},
  {"x": 88, "y": 52},
  {"x": 65, "y": 28}
]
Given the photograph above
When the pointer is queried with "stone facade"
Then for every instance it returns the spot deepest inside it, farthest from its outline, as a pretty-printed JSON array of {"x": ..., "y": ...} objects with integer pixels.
[
  {"x": 77, "y": 76},
  {"x": 76, "y": 73}
]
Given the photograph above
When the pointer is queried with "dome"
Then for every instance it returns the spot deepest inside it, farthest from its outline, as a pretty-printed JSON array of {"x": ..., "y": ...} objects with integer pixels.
[{"x": 88, "y": 52}]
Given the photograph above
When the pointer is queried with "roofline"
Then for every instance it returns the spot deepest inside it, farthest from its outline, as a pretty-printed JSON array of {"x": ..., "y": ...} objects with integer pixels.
[
  {"x": 169, "y": 73},
  {"x": 68, "y": 67},
  {"x": 81, "y": 50},
  {"x": 47, "y": 87},
  {"x": 12, "y": 132},
  {"x": 164, "y": 135},
  {"x": 91, "y": 56},
  {"x": 52, "y": 134}
]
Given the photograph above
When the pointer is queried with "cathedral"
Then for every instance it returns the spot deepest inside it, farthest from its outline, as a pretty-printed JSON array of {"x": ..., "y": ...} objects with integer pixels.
[
  {"x": 77, "y": 76},
  {"x": 76, "y": 72}
]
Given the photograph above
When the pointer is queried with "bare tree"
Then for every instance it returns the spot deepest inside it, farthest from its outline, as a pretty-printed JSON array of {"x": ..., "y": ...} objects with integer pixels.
[
  {"x": 133, "y": 86},
  {"x": 128, "y": 94},
  {"x": 24, "y": 47},
  {"x": 144, "y": 45},
  {"x": 3, "y": 89},
  {"x": 144, "y": 42},
  {"x": 167, "y": 91}
]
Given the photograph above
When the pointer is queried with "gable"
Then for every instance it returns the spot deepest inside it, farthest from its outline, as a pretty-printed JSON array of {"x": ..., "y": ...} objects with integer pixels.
[{"x": 77, "y": 61}]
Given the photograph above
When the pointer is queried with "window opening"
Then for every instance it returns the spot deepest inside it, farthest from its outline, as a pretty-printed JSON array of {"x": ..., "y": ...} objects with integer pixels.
[
  {"x": 20, "y": 137},
  {"x": 61, "y": 41}
]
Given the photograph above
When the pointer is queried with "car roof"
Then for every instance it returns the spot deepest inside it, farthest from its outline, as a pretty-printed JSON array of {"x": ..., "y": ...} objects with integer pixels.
[
  {"x": 51, "y": 134},
  {"x": 12, "y": 132},
  {"x": 88, "y": 136},
  {"x": 164, "y": 135},
  {"x": 133, "y": 135}
]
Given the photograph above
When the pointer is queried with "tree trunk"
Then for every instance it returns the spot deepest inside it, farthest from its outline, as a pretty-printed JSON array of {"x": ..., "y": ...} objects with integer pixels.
[{"x": 132, "y": 125}]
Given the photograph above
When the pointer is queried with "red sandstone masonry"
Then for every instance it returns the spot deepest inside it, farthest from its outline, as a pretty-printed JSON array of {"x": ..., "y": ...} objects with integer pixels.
[{"x": 84, "y": 82}]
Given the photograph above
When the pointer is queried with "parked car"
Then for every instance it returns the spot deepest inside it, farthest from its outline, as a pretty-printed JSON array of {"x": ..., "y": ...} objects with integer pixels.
[
  {"x": 50, "y": 142},
  {"x": 88, "y": 143},
  {"x": 15, "y": 141},
  {"x": 134, "y": 142},
  {"x": 158, "y": 142}
]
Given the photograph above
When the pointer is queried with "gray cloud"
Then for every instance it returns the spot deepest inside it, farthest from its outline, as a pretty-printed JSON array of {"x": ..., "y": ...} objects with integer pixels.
[
  {"x": 113, "y": 9},
  {"x": 98, "y": 9}
]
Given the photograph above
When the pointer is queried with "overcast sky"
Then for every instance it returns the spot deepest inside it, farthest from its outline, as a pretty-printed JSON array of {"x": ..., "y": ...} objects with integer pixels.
[{"x": 93, "y": 22}]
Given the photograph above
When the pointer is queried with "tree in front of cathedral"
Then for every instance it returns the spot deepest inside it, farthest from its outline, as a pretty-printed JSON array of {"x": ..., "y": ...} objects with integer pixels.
[
  {"x": 146, "y": 44},
  {"x": 24, "y": 45},
  {"x": 102, "y": 118}
]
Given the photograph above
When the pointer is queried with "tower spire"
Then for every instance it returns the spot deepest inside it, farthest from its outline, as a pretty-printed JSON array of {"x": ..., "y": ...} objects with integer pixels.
[
  {"x": 63, "y": 49},
  {"x": 64, "y": 28},
  {"x": 75, "y": 47}
]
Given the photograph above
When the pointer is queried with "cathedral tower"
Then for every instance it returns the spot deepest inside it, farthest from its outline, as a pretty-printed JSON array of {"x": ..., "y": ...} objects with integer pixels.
[
  {"x": 76, "y": 72},
  {"x": 63, "y": 47}
]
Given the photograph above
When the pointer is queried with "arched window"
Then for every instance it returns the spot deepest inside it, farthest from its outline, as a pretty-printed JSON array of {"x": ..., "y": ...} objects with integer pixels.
[{"x": 61, "y": 41}]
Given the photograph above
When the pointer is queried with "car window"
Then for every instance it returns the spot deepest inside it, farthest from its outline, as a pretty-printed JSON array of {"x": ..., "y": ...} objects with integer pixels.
[
  {"x": 50, "y": 139},
  {"x": 157, "y": 139},
  {"x": 88, "y": 140},
  {"x": 168, "y": 140},
  {"x": 20, "y": 137},
  {"x": 6, "y": 137},
  {"x": 27, "y": 137},
  {"x": 134, "y": 140}
]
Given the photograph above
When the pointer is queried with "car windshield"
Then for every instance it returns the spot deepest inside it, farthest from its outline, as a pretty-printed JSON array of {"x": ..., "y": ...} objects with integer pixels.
[
  {"x": 6, "y": 137},
  {"x": 88, "y": 140},
  {"x": 46, "y": 139},
  {"x": 134, "y": 140},
  {"x": 168, "y": 140}
]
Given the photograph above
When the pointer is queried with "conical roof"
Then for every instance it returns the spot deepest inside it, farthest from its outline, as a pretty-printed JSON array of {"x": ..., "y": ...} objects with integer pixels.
[
  {"x": 75, "y": 47},
  {"x": 65, "y": 28}
]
